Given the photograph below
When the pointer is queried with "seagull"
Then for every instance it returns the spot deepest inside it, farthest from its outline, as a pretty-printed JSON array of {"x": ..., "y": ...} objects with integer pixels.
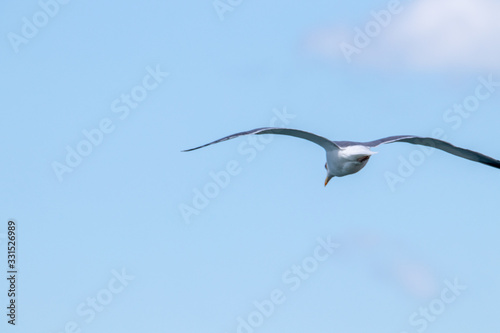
[{"x": 347, "y": 157}]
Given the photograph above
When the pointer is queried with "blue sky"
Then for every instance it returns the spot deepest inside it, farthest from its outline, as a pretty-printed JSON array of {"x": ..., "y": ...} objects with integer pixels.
[{"x": 120, "y": 231}]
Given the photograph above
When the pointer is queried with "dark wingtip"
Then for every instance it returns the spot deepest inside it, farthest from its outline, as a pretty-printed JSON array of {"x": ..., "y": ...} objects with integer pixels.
[
  {"x": 495, "y": 164},
  {"x": 191, "y": 149}
]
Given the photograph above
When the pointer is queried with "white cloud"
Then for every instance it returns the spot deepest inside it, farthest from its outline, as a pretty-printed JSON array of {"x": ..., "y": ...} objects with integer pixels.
[{"x": 425, "y": 34}]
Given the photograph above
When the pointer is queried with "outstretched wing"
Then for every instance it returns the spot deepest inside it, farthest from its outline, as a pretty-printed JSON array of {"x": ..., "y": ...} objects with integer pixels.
[
  {"x": 325, "y": 143},
  {"x": 438, "y": 144}
]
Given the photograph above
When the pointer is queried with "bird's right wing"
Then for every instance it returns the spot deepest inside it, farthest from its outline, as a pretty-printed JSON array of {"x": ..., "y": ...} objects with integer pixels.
[
  {"x": 438, "y": 144},
  {"x": 323, "y": 142}
]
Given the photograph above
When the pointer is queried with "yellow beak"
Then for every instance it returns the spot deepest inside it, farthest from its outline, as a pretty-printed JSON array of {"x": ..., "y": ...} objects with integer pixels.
[{"x": 328, "y": 177}]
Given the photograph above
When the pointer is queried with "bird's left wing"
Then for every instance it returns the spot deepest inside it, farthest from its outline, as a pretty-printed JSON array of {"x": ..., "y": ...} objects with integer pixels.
[
  {"x": 323, "y": 142},
  {"x": 438, "y": 144}
]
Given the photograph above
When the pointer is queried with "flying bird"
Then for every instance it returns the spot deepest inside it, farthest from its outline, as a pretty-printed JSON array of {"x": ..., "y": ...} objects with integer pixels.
[{"x": 347, "y": 157}]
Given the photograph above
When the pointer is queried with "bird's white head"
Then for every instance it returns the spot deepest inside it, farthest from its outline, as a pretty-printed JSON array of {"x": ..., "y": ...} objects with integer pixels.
[{"x": 328, "y": 174}]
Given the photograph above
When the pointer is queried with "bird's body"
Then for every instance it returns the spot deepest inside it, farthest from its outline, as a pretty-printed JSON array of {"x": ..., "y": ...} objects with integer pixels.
[
  {"x": 348, "y": 160},
  {"x": 347, "y": 157}
]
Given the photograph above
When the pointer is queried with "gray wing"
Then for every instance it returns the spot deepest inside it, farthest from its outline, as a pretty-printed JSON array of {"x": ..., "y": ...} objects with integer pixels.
[
  {"x": 325, "y": 143},
  {"x": 438, "y": 144}
]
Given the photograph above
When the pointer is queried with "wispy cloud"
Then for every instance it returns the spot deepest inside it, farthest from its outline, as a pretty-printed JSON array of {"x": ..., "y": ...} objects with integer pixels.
[{"x": 426, "y": 34}]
